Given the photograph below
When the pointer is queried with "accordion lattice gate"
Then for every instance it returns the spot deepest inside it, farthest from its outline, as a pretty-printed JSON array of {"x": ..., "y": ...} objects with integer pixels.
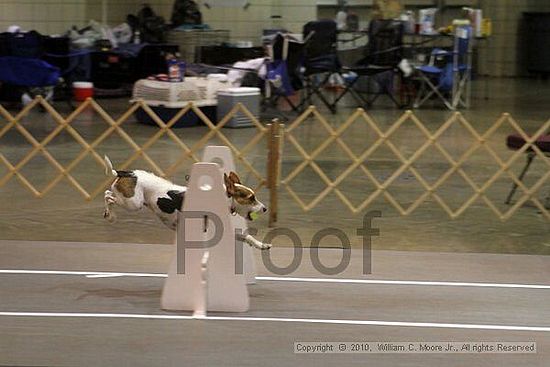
[
  {"x": 276, "y": 136},
  {"x": 115, "y": 127},
  {"x": 382, "y": 138}
]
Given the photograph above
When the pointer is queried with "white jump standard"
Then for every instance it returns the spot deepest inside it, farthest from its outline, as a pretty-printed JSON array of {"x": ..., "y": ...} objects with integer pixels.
[{"x": 203, "y": 275}]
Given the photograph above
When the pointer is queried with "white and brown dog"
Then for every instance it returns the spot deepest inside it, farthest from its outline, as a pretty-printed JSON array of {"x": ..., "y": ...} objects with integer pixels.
[{"x": 136, "y": 189}]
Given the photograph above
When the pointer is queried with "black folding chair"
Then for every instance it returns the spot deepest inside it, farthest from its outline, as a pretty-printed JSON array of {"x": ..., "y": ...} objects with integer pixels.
[
  {"x": 320, "y": 60},
  {"x": 383, "y": 54}
]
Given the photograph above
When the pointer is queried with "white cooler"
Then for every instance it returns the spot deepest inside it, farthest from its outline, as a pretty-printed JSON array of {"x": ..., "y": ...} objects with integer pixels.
[{"x": 228, "y": 98}]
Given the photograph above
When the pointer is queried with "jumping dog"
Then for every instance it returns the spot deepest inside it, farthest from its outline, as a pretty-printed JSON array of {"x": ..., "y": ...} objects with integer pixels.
[{"x": 136, "y": 189}]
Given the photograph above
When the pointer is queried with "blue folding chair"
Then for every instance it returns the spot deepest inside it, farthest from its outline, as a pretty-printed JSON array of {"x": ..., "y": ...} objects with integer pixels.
[{"x": 448, "y": 73}]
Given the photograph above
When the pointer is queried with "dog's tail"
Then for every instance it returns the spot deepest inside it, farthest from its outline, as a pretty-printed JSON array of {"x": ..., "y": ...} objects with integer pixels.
[{"x": 109, "y": 170}]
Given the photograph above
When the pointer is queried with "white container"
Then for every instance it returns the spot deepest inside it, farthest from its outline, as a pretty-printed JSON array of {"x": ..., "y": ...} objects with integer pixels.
[
  {"x": 478, "y": 19},
  {"x": 408, "y": 20},
  {"x": 167, "y": 99},
  {"x": 227, "y": 99},
  {"x": 427, "y": 20},
  {"x": 193, "y": 89}
]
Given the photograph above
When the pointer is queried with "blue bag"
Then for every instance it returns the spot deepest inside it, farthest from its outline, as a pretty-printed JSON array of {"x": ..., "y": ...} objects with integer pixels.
[{"x": 277, "y": 74}]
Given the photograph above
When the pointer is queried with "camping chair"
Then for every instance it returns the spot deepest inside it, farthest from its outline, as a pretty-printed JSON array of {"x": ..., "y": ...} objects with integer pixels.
[
  {"x": 516, "y": 142},
  {"x": 283, "y": 70},
  {"x": 450, "y": 82},
  {"x": 320, "y": 60},
  {"x": 384, "y": 52}
]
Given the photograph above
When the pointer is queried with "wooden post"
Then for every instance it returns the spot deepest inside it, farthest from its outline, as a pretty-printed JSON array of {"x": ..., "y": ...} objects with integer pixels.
[{"x": 273, "y": 167}]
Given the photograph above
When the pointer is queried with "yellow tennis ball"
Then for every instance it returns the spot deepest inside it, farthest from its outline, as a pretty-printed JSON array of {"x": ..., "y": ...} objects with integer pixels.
[{"x": 253, "y": 216}]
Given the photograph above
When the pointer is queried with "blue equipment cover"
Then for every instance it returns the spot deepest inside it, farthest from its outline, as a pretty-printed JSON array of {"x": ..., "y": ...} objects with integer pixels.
[{"x": 28, "y": 72}]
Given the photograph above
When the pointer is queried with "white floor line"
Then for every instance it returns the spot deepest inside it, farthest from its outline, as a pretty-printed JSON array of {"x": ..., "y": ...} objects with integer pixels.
[
  {"x": 87, "y": 274},
  {"x": 100, "y": 274},
  {"x": 282, "y": 319},
  {"x": 405, "y": 282}
]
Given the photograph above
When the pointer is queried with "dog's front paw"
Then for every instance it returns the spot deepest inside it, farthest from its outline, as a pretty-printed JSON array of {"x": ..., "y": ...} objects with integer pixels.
[{"x": 109, "y": 197}]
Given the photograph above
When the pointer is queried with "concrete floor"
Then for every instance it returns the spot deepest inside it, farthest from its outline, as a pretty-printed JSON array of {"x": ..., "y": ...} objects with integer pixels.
[
  {"x": 426, "y": 246},
  {"x": 72, "y": 319}
]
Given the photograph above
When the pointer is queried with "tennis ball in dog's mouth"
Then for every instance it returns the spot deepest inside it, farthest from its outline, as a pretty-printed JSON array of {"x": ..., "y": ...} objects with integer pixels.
[{"x": 253, "y": 216}]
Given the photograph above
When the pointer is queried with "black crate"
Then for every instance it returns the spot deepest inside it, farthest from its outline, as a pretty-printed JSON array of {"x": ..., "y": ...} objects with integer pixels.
[{"x": 111, "y": 70}]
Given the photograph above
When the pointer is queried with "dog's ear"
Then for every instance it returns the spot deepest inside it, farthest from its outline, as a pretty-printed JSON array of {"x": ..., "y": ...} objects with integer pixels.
[
  {"x": 234, "y": 177},
  {"x": 229, "y": 185}
]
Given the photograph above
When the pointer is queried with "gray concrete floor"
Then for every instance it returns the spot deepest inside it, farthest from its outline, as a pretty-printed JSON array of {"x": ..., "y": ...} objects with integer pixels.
[
  {"x": 70, "y": 340},
  {"x": 427, "y": 245}
]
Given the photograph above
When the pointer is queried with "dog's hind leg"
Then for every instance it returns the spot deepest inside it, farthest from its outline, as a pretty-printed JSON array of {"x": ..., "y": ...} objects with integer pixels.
[{"x": 255, "y": 243}]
